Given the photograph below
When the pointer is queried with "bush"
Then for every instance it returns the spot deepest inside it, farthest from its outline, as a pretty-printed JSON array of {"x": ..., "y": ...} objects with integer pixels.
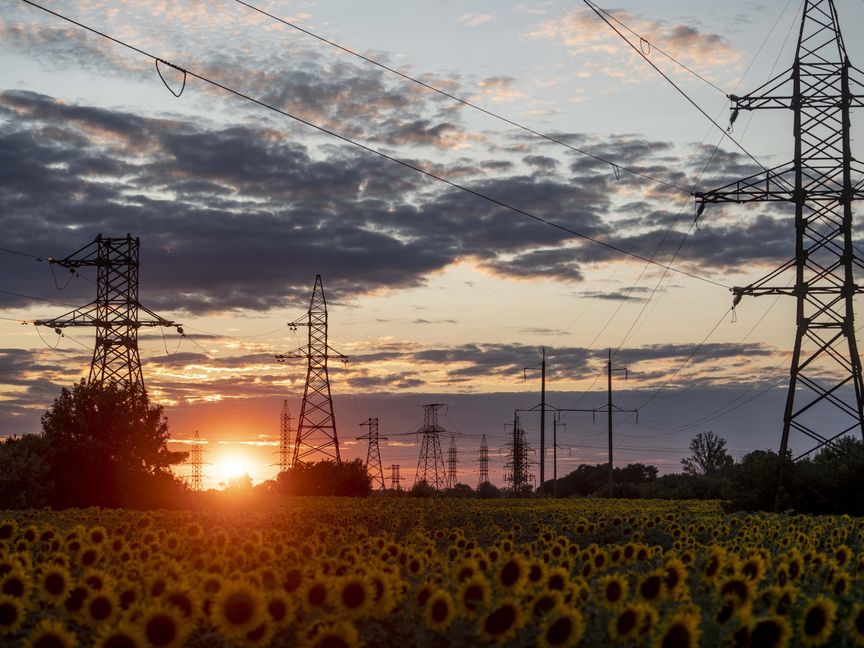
[{"x": 422, "y": 489}]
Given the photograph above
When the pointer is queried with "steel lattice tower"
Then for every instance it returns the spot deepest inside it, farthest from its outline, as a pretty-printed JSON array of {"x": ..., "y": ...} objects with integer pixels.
[
  {"x": 285, "y": 419},
  {"x": 452, "y": 460},
  {"x": 395, "y": 478},
  {"x": 196, "y": 458},
  {"x": 116, "y": 312},
  {"x": 316, "y": 430},
  {"x": 824, "y": 398},
  {"x": 430, "y": 467},
  {"x": 518, "y": 475},
  {"x": 373, "y": 453},
  {"x": 484, "y": 461}
]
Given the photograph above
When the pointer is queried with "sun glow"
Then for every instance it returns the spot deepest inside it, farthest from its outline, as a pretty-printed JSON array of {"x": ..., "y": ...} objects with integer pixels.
[{"x": 233, "y": 467}]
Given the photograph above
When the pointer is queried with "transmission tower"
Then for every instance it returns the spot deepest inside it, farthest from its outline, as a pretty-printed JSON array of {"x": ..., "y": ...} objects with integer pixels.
[
  {"x": 316, "y": 430},
  {"x": 115, "y": 312},
  {"x": 430, "y": 466},
  {"x": 395, "y": 477},
  {"x": 517, "y": 466},
  {"x": 484, "y": 461},
  {"x": 285, "y": 420},
  {"x": 373, "y": 454},
  {"x": 196, "y": 459},
  {"x": 824, "y": 398},
  {"x": 452, "y": 460}
]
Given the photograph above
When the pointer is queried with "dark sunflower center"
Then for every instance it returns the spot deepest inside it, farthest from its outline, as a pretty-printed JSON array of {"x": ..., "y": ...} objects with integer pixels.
[
  {"x": 510, "y": 574},
  {"x": 50, "y": 640},
  {"x": 440, "y": 611},
  {"x": 815, "y": 622},
  {"x": 767, "y": 633},
  {"x": 500, "y": 621},
  {"x": 8, "y": 614},
  {"x": 160, "y": 630},
  {"x": 677, "y": 636},
  {"x": 353, "y": 596},
  {"x": 277, "y": 610},
  {"x": 625, "y": 622},
  {"x": 120, "y": 641},
  {"x": 100, "y": 608},
  {"x": 613, "y": 591},
  {"x": 55, "y": 583},
  {"x": 560, "y": 631},
  {"x": 650, "y": 588},
  {"x": 239, "y": 609}
]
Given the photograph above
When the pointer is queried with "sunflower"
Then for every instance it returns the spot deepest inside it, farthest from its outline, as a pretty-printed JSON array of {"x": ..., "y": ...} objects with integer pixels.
[
  {"x": 260, "y": 635},
  {"x": 280, "y": 609},
  {"x": 339, "y": 634},
  {"x": 675, "y": 577},
  {"x": 50, "y": 634},
  {"x": 12, "y": 612},
  {"x": 739, "y": 591},
  {"x": 316, "y": 593},
  {"x": 439, "y": 610},
  {"x": 770, "y": 632},
  {"x": 100, "y": 608},
  {"x": 563, "y": 627},
  {"x": 557, "y": 578},
  {"x": 183, "y": 598},
  {"x": 544, "y": 602},
  {"x": 856, "y": 624},
  {"x": 627, "y": 623},
  {"x": 162, "y": 625},
  {"x": 473, "y": 595},
  {"x": 511, "y": 573},
  {"x": 651, "y": 588},
  {"x": 354, "y": 596},
  {"x": 502, "y": 622},
  {"x": 237, "y": 609},
  {"x": 122, "y": 635},
  {"x": 16, "y": 583},
  {"x": 681, "y": 630},
  {"x": 612, "y": 590},
  {"x": 817, "y": 621},
  {"x": 53, "y": 583},
  {"x": 383, "y": 593}
]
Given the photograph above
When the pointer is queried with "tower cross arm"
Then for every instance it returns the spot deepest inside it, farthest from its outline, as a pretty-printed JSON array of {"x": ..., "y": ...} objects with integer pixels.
[{"x": 774, "y": 185}]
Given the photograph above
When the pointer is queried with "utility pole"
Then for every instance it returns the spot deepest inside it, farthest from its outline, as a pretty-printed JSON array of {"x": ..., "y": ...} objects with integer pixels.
[
  {"x": 609, "y": 406},
  {"x": 542, "y": 369},
  {"x": 196, "y": 458},
  {"x": 825, "y": 397},
  {"x": 451, "y": 462},
  {"x": 395, "y": 478},
  {"x": 373, "y": 454},
  {"x": 518, "y": 473},
  {"x": 316, "y": 430},
  {"x": 115, "y": 314}
]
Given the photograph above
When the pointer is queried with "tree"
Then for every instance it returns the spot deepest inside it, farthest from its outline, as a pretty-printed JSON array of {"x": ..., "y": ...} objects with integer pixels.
[
  {"x": 708, "y": 455},
  {"x": 107, "y": 446},
  {"x": 345, "y": 478},
  {"x": 25, "y": 476}
]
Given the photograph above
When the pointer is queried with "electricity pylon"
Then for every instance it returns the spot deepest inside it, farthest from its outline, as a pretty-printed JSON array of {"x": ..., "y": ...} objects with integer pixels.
[
  {"x": 517, "y": 466},
  {"x": 115, "y": 313},
  {"x": 452, "y": 460},
  {"x": 196, "y": 459},
  {"x": 824, "y": 398},
  {"x": 430, "y": 466},
  {"x": 316, "y": 430},
  {"x": 484, "y": 461},
  {"x": 373, "y": 453},
  {"x": 395, "y": 477},
  {"x": 285, "y": 419}
]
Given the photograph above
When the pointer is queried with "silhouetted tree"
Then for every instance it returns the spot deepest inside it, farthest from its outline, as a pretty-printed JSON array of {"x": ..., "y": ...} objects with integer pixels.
[
  {"x": 346, "y": 478},
  {"x": 25, "y": 476},
  {"x": 708, "y": 455},
  {"x": 488, "y": 490},
  {"x": 107, "y": 446}
]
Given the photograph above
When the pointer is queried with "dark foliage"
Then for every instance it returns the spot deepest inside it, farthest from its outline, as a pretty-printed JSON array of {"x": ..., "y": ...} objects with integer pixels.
[
  {"x": 346, "y": 478},
  {"x": 592, "y": 480},
  {"x": 99, "y": 446},
  {"x": 423, "y": 489},
  {"x": 488, "y": 490}
]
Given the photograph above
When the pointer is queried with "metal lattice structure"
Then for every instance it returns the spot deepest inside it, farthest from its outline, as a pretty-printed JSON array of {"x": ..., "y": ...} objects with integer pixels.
[
  {"x": 824, "y": 398},
  {"x": 518, "y": 474},
  {"x": 316, "y": 429},
  {"x": 484, "y": 461},
  {"x": 452, "y": 462},
  {"x": 285, "y": 449},
  {"x": 196, "y": 460},
  {"x": 373, "y": 453},
  {"x": 115, "y": 314},
  {"x": 430, "y": 466},
  {"x": 395, "y": 477}
]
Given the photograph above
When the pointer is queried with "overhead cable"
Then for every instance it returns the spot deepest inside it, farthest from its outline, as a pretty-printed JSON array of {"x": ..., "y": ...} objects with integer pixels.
[
  {"x": 616, "y": 168},
  {"x": 369, "y": 149}
]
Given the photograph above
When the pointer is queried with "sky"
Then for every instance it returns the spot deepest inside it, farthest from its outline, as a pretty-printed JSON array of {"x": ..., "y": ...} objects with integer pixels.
[{"x": 434, "y": 294}]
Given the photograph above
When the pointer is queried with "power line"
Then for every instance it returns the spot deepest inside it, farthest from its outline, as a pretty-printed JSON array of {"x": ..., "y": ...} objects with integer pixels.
[
  {"x": 369, "y": 149},
  {"x": 600, "y": 13},
  {"x": 458, "y": 99},
  {"x": 42, "y": 299}
]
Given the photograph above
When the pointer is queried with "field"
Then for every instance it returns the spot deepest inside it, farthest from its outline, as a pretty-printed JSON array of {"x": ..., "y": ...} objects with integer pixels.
[{"x": 398, "y": 571}]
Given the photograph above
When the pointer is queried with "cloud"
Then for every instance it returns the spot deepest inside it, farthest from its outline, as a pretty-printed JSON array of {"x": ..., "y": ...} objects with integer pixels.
[{"x": 474, "y": 20}]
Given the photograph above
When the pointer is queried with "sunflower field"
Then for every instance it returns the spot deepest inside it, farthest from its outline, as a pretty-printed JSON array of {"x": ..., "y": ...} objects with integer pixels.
[{"x": 407, "y": 572}]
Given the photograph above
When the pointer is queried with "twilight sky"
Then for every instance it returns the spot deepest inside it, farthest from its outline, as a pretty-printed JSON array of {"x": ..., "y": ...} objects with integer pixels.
[{"x": 435, "y": 295}]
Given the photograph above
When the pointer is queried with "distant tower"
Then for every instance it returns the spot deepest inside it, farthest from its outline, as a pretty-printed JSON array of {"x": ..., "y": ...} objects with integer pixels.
[
  {"x": 316, "y": 431},
  {"x": 517, "y": 464},
  {"x": 451, "y": 463},
  {"x": 285, "y": 437},
  {"x": 116, "y": 312},
  {"x": 373, "y": 454},
  {"x": 430, "y": 467},
  {"x": 395, "y": 478},
  {"x": 484, "y": 461},
  {"x": 196, "y": 458}
]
